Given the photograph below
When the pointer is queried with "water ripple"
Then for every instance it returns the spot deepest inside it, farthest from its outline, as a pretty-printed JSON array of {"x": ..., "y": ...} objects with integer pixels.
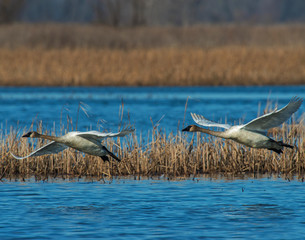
[{"x": 150, "y": 209}]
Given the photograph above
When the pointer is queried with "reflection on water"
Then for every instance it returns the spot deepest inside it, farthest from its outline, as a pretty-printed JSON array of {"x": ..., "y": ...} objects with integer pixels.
[{"x": 152, "y": 209}]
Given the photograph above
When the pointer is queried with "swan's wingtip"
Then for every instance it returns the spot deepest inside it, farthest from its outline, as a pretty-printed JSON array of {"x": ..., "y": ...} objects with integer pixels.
[
  {"x": 296, "y": 99},
  {"x": 296, "y": 102},
  {"x": 16, "y": 157},
  {"x": 195, "y": 116},
  {"x": 128, "y": 129}
]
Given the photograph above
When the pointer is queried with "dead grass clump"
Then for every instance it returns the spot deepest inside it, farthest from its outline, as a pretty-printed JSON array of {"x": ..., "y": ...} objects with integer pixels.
[{"x": 169, "y": 155}]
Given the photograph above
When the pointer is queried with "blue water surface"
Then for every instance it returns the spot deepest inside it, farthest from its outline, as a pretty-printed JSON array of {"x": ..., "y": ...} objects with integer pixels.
[
  {"x": 144, "y": 107},
  {"x": 203, "y": 208}
]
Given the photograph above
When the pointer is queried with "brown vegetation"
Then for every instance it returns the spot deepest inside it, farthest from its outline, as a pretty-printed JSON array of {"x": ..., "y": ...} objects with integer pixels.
[
  {"x": 145, "y": 67},
  {"x": 170, "y": 155},
  {"x": 75, "y": 55}
]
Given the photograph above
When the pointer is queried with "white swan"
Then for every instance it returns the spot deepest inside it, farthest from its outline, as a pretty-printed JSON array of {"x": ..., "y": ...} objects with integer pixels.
[
  {"x": 252, "y": 134},
  {"x": 87, "y": 142}
]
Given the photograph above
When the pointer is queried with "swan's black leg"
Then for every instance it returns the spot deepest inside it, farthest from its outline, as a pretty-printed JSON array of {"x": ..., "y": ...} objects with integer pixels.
[
  {"x": 110, "y": 154},
  {"x": 105, "y": 158},
  {"x": 285, "y": 145},
  {"x": 279, "y": 151},
  {"x": 278, "y": 146},
  {"x": 115, "y": 157}
]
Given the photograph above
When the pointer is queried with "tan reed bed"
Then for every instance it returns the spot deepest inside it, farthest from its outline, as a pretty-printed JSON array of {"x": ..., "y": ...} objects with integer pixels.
[
  {"x": 185, "y": 66},
  {"x": 171, "y": 155},
  {"x": 86, "y": 55}
]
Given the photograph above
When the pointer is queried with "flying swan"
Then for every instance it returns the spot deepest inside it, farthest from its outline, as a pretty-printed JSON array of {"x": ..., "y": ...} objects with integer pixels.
[
  {"x": 252, "y": 134},
  {"x": 87, "y": 142}
]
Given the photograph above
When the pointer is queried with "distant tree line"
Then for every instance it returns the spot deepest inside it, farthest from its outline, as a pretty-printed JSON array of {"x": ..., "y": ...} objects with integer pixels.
[
  {"x": 152, "y": 12},
  {"x": 10, "y": 10}
]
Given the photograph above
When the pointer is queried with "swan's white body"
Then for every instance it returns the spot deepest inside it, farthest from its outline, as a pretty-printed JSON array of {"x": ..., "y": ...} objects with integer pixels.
[
  {"x": 252, "y": 134},
  {"x": 87, "y": 142},
  {"x": 246, "y": 137}
]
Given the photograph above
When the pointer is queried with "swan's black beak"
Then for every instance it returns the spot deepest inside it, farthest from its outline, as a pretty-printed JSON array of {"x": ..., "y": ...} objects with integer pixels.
[
  {"x": 27, "y": 134},
  {"x": 187, "y": 129}
]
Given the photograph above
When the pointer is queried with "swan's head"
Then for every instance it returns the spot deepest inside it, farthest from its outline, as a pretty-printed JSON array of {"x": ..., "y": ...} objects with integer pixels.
[
  {"x": 31, "y": 135},
  {"x": 191, "y": 128}
]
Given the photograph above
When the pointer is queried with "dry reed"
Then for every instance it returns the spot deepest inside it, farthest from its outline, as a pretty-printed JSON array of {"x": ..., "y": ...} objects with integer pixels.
[
  {"x": 76, "y": 55},
  {"x": 145, "y": 67},
  {"x": 170, "y": 155}
]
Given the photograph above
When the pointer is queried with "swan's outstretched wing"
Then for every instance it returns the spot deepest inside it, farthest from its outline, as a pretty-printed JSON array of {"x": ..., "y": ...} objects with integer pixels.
[
  {"x": 100, "y": 135},
  {"x": 50, "y": 148},
  {"x": 275, "y": 118},
  {"x": 201, "y": 120}
]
